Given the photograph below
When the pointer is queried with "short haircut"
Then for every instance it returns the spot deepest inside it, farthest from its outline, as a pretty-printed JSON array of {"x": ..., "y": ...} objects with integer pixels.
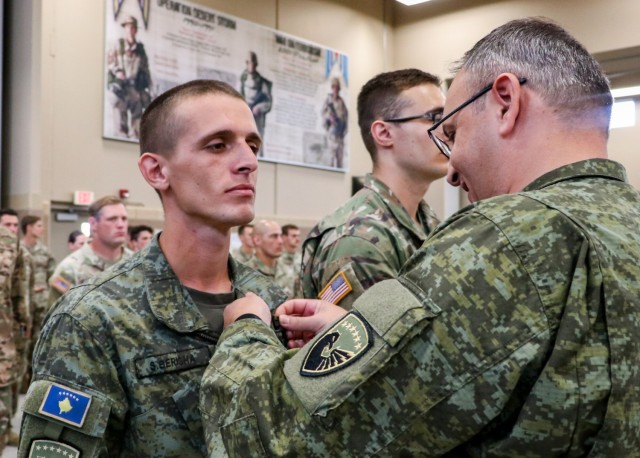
[
  {"x": 94, "y": 208},
  {"x": 243, "y": 227},
  {"x": 28, "y": 220},
  {"x": 555, "y": 64},
  {"x": 289, "y": 227},
  {"x": 8, "y": 211},
  {"x": 135, "y": 231},
  {"x": 160, "y": 127},
  {"x": 380, "y": 98},
  {"x": 73, "y": 235}
]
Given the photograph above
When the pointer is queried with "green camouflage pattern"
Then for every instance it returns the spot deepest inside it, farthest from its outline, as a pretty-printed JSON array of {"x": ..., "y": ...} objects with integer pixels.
[
  {"x": 240, "y": 256},
  {"x": 133, "y": 339},
  {"x": 277, "y": 273},
  {"x": 513, "y": 332},
  {"x": 44, "y": 265},
  {"x": 78, "y": 268},
  {"x": 290, "y": 267},
  {"x": 8, "y": 258},
  {"x": 21, "y": 292},
  {"x": 369, "y": 238}
]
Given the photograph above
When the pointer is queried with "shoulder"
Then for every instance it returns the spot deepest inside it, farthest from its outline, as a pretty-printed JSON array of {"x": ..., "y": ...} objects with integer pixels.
[{"x": 247, "y": 279}]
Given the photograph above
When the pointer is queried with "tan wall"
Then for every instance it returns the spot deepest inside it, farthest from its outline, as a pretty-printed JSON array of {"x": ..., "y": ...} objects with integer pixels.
[
  {"x": 433, "y": 36},
  {"x": 57, "y": 79}
]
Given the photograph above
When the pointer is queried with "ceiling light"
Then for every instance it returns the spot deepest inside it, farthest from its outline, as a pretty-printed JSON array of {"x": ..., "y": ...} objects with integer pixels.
[{"x": 411, "y": 2}]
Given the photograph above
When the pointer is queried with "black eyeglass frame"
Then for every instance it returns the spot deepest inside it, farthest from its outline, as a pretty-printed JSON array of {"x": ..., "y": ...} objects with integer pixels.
[
  {"x": 433, "y": 116},
  {"x": 441, "y": 144}
]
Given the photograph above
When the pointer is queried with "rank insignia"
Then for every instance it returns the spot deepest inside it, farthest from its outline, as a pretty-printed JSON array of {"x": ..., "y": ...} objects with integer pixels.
[
  {"x": 66, "y": 405},
  {"x": 41, "y": 448},
  {"x": 341, "y": 345},
  {"x": 337, "y": 288}
]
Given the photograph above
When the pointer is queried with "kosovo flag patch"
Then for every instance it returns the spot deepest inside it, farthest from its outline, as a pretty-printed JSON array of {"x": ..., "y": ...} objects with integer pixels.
[
  {"x": 41, "y": 448},
  {"x": 67, "y": 405},
  {"x": 341, "y": 345}
]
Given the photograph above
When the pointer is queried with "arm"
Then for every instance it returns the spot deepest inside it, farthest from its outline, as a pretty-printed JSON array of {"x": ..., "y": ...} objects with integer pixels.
[
  {"x": 68, "y": 355},
  {"x": 432, "y": 345}
]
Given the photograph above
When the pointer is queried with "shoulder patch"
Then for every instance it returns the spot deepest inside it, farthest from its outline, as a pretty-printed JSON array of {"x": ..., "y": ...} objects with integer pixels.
[
  {"x": 67, "y": 405},
  {"x": 337, "y": 288},
  {"x": 61, "y": 284},
  {"x": 341, "y": 345},
  {"x": 42, "y": 448}
]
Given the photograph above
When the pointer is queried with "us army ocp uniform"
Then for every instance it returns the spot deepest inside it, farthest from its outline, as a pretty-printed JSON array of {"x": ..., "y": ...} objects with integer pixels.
[
  {"x": 366, "y": 240},
  {"x": 513, "y": 332},
  {"x": 117, "y": 368}
]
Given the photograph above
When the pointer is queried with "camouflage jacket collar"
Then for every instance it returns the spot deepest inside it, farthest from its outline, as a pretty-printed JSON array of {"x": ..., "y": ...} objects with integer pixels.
[
  {"x": 604, "y": 168},
  {"x": 91, "y": 258},
  {"x": 425, "y": 215}
]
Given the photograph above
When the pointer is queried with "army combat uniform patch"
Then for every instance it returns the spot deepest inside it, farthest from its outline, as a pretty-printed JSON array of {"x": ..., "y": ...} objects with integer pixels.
[
  {"x": 337, "y": 288},
  {"x": 66, "y": 405},
  {"x": 61, "y": 284},
  {"x": 51, "y": 449},
  {"x": 341, "y": 345}
]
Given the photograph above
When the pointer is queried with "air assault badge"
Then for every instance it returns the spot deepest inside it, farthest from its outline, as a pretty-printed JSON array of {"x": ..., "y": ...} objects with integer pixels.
[
  {"x": 340, "y": 346},
  {"x": 51, "y": 449}
]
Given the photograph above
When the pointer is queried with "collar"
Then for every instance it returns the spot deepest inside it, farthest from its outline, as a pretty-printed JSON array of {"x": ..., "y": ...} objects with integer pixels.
[{"x": 603, "y": 168}]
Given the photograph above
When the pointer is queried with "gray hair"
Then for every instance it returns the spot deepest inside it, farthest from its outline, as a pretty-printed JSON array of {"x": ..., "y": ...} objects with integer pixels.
[{"x": 555, "y": 64}]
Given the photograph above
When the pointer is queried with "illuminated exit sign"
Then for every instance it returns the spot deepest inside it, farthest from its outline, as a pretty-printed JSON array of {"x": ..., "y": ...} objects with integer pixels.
[{"x": 83, "y": 198}]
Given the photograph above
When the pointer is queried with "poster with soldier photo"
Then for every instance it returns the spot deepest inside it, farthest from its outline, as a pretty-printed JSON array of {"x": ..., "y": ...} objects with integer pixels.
[{"x": 298, "y": 90}]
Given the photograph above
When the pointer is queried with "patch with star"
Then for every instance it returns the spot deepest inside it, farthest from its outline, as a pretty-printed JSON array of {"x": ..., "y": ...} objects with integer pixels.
[
  {"x": 42, "y": 448},
  {"x": 341, "y": 345},
  {"x": 67, "y": 405},
  {"x": 61, "y": 284}
]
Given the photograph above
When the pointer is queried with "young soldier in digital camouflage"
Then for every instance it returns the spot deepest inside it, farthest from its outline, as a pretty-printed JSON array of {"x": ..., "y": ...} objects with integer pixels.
[
  {"x": 513, "y": 332},
  {"x": 291, "y": 256},
  {"x": 374, "y": 233},
  {"x": 118, "y": 365}
]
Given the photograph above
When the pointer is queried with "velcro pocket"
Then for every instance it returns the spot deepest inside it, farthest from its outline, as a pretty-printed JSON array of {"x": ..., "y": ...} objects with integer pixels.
[{"x": 393, "y": 314}]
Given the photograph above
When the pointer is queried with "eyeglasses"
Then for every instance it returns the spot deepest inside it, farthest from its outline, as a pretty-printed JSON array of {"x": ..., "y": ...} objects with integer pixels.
[
  {"x": 433, "y": 116},
  {"x": 441, "y": 144}
]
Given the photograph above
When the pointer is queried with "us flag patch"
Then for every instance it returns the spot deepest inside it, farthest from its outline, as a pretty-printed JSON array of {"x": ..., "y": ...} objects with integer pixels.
[{"x": 337, "y": 288}]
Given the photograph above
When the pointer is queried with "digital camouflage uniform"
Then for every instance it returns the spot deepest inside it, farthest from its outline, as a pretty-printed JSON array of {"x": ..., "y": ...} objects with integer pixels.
[
  {"x": 21, "y": 291},
  {"x": 78, "y": 268},
  {"x": 277, "y": 273},
  {"x": 8, "y": 258},
  {"x": 134, "y": 343},
  {"x": 290, "y": 266},
  {"x": 240, "y": 256},
  {"x": 366, "y": 240},
  {"x": 513, "y": 332},
  {"x": 43, "y": 267}
]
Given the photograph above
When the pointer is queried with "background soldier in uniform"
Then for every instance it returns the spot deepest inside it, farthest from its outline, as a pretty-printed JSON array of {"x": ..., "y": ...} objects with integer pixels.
[
  {"x": 514, "y": 330},
  {"x": 245, "y": 251},
  {"x": 124, "y": 354},
  {"x": 267, "y": 243},
  {"x": 373, "y": 234}
]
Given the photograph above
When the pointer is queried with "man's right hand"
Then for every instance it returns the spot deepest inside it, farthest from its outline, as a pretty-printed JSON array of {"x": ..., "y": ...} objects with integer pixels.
[{"x": 304, "y": 318}]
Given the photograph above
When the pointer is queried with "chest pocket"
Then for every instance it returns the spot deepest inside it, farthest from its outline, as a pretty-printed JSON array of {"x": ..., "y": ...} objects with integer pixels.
[{"x": 393, "y": 314}]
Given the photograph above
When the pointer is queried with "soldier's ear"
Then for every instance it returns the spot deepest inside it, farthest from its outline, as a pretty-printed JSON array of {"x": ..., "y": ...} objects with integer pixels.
[
  {"x": 381, "y": 133},
  {"x": 154, "y": 170}
]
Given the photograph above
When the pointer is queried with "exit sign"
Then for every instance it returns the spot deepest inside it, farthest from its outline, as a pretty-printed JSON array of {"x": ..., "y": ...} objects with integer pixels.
[{"x": 83, "y": 198}]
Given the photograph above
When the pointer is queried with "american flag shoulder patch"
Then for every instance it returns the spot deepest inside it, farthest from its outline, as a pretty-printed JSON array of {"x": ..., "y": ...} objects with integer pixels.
[
  {"x": 61, "y": 284},
  {"x": 337, "y": 288}
]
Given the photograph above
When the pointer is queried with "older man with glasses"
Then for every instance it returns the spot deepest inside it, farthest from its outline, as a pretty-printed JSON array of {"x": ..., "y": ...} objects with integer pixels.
[
  {"x": 373, "y": 234},
  {"x": 513, "y": 332}
]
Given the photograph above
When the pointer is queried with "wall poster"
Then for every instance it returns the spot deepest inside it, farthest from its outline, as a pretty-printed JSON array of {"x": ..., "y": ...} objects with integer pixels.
[{"x": 298, "y": 90}]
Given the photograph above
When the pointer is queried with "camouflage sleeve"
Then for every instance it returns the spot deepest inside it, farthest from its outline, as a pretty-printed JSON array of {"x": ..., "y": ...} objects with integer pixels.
[
  {"x": 419, "y": 366},
  {"x": 362, "y": 263},
  {"x": 61, "y": 281},
  {"x": 75, "y": 399}
]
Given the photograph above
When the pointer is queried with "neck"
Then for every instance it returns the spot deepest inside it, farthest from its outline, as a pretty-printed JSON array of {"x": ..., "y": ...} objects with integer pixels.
[
  {"x": 29, "y": 240},
  {"x": 105, "y": 251},
  {"x": 409, "y": 192},
  {"x": 247, "y": 249},
  {"x": 266, "y": 260},
  {"x": 198, "y": 257}
]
